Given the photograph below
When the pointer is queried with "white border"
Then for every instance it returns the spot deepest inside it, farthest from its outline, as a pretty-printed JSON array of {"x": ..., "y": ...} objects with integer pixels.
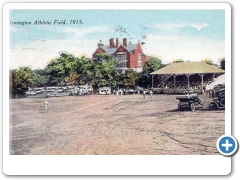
[{"x": 114, "y": 165}]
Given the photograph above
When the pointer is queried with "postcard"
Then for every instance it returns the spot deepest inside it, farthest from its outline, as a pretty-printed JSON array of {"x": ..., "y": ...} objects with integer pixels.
[{"x": 117, "y": 89}]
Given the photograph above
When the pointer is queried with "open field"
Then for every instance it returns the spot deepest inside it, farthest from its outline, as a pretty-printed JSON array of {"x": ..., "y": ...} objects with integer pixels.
[{"x": 128, "y": 125}]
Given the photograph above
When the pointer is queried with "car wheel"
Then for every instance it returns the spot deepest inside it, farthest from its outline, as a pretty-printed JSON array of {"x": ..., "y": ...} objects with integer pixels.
[
  {"x": 192, "y": 107},
  {"x": 213, "y": 105},
  {"x": 179, "y": 107},
  {"x": 222, "y": 102}
]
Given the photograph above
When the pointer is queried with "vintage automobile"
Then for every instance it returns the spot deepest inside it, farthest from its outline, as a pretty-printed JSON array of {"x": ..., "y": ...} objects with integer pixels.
[
  {"x": 219, "y": 100},
  {"x": 189, "y": 101},
  {"x": 104, "y": 90}
]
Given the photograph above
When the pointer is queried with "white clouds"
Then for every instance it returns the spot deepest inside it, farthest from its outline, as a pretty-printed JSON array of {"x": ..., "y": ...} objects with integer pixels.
[
  {"x": 200, "y": 26},
  {"x": 169, "y": 47},
  {"x": 184, "y": 47},
  {"x": 80, "y": 32},
  {"x": 172, "y": 26},
  {"x": 15, "y": 30},
  {"x": 38, "y": 53}
]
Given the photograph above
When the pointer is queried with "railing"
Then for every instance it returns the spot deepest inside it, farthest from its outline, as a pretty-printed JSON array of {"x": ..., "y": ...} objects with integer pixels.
[{"x": 173, "y": 91}]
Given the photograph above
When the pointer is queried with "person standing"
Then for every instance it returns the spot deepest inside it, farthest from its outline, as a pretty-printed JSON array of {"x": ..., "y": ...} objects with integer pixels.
[
  {"x": 45, "y": 104},
  {"x": 144, "y": 93},
  {"x": 138, "y": 92},
  {"x": 151, "y": 92}
]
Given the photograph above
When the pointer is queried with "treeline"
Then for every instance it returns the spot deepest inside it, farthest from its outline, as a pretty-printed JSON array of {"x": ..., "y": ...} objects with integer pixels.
[{"x": 71, "y": 70}]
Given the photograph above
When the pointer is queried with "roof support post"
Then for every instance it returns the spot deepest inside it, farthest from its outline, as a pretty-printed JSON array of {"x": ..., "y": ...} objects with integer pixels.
[
  {"x": 163, "y": 81},
  {"x": 188, "y": 84},
  {"x": 152, "y": 81},
  {"x": 202, "y": 82},
  {"x": 174, "y": 76}
]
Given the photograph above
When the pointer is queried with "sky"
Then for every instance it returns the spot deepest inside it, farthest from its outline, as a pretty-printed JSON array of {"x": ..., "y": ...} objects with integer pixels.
[{"x": 191, "y": 35}]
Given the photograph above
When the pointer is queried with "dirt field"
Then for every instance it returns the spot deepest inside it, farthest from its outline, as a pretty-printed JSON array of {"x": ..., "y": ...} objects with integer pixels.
[{"x": 128, "y": 125}]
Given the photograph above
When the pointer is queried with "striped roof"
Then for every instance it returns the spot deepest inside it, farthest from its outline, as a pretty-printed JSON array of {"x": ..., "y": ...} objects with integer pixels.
[{"x": 189, "y": 68}]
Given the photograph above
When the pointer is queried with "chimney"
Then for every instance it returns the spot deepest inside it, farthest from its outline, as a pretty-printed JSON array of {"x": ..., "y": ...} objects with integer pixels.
[
  {"x": 125, "y": 42},
  {"x": 111, "y": 43},
  {"x": 117, "y": 43}
]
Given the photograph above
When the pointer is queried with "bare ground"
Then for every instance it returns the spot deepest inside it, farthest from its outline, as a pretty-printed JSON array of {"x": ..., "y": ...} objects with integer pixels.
[{"x": 105, "y": 124}]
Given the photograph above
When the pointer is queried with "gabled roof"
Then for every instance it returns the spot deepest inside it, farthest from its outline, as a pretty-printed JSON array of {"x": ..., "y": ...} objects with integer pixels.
[
  {"x": 189, "y": 68},
  {"x": 109, "y": 50},
  {"x": 130, "y": 48}
]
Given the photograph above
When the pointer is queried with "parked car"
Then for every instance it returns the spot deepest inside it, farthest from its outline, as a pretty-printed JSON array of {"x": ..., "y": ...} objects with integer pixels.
[
  {"x": 104, "y": 90},
  {"x": 189, "y": 101},
  {"x": 219, "y": 100},
  {"x": 59, "y": 90}
]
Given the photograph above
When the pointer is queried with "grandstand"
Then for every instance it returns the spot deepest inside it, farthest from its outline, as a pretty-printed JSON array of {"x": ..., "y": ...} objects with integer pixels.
[{"x": 179, "y": 77}]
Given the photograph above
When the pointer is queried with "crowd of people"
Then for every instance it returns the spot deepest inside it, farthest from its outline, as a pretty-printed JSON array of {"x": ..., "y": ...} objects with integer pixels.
[
  {"x": 121, "y": 92},
  {"x": 59, "y": 90}
]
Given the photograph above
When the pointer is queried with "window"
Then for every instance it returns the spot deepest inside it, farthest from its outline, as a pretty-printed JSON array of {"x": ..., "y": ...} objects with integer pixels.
[
  {"x": 121, "y": 57},
  {"x": 122, "y": 60},
  {"x": 139, "y": 60}
]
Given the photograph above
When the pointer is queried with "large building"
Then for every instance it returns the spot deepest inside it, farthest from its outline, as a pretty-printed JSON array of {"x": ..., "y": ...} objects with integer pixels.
[{"x": 128, "y": 55}]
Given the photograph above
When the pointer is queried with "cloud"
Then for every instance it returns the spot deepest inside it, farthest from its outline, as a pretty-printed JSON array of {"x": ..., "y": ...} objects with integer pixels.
[
  {"x": 184, "y": 47},
  {"x": 200, "y": 26},
  {"x": 38, "y": 53},
  {"x": 15, "y": 30},
  {"x": 80, "y": 32},
  {"x": 194, "y": 48},
  {"x": 172, "y": 26}
]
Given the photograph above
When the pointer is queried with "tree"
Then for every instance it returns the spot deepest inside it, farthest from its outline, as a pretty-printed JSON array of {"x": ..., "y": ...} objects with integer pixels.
[
  {"x": 40, "y": 77},
  {"x": 72, "y": 78},
  {"x": 84, "y": 67},
  {"x": 20, "y": 80},
  {"x": 70, "y": 69},
  {"x": 208, "y": 61},
  {"x": 222, "y": 63},
  {"x": 130, "y": 78},
  {"x": 60, "y": 68},
  {"x": 105, "y": 73},
  {"x": 152, "y": 64},
  {"x": 178, "y": 60}
]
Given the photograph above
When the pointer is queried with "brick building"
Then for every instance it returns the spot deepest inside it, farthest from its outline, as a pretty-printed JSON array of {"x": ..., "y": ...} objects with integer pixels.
[{"x": 128, "y": 55}]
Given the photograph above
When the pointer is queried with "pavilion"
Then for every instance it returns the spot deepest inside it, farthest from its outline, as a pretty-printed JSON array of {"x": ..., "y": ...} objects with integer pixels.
[{"x": 187, "y": 69}]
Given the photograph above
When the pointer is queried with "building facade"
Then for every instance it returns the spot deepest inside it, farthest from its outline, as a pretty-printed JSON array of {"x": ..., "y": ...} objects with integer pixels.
[{"x": 128, "y": 55}]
